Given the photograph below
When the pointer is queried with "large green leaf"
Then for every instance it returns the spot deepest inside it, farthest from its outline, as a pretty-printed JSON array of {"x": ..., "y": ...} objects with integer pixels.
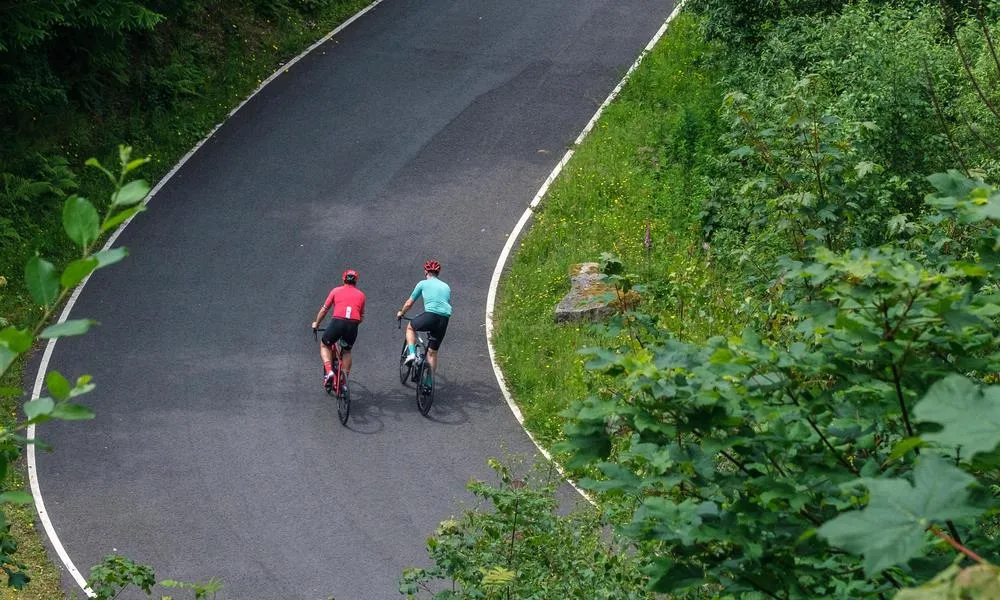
[
  {"x": 74, "y": 327},
  {"x": 121, "y": 217},
  {"x": 891, "y": 530},
  {"x": 42, "y": 281},
  {"x": 39, "y": 407},
  {"x": 57, "y": 385},
  {"x": 7, "y": 357},
  {"x": 969, "y": 415},
  {"x": 80, "y": 220},
  {"x": 18, "y": 340},
  {"x": 131, "y": 193},
  {"x": 15, "y": 497},
  {"x": 110, "y": 256},
  {"x": 70, "y": 411},
  {"x": 980, "y": 581},
  {"x": 76, "y": 271}
]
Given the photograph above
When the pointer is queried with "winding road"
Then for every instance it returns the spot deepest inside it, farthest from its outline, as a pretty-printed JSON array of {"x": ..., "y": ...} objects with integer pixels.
[{"x": 422, "y": 129}]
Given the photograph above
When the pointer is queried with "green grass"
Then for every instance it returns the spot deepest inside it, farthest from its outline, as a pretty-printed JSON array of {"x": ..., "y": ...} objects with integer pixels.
[
  {"x": 166, "y": 135},
  {"x": 645, "y": 160}
]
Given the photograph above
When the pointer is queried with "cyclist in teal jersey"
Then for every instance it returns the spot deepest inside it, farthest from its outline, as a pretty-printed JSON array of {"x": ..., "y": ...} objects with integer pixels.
[{"x": 434, "y": 320}]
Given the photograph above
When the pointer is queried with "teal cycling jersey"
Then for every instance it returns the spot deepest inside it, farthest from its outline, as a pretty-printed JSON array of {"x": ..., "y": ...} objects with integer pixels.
[{"x": 436, "y": 294}]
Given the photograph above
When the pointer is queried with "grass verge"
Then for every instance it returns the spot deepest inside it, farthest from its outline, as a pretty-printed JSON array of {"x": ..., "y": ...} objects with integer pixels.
[
  {"x": 239, "y": 67},
  {"x": 645, "y": 162}
]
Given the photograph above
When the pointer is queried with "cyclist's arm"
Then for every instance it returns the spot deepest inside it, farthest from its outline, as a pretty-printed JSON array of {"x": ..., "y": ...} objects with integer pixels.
[
  {"x": 406, "y": 307},
  {"x": 417, "y": 291},
  {"x": 323, "y": 310},
  {"x": 320, "y": 315}
]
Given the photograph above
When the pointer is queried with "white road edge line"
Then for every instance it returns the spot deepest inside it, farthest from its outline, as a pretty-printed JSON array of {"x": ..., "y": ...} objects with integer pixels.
[
  {"x": 516, "y": 233},
  {"x": 36, "y": 491}
]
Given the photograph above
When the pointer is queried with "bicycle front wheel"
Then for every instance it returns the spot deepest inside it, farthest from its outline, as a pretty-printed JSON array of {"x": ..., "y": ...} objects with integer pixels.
[
  {"x": 425, "y": 389},
  {"x": 404, "y": 369},
  {"x": 343, "y": 404}
]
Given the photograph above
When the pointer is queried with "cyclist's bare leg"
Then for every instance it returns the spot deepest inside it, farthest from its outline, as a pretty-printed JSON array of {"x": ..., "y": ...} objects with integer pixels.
[
  {"x": 411, "y": 336},
  {"x": 432, "y": 359},
  {"x": 325, "y": 353},
  {"x": 345, "y": 364}
]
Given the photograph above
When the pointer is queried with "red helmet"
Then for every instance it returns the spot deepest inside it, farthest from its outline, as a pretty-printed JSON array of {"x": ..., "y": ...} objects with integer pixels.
[
  {"x": 433, "y": 266},
  {"x": 350, "y": 276}
]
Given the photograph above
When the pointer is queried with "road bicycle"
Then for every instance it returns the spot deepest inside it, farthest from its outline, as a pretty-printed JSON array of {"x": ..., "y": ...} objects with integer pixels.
[
  {"x": 418, "y": 372},
  {"x": 337, "y": 385}
]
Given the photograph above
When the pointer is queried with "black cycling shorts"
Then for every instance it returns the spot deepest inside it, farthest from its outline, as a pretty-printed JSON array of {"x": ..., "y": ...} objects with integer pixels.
[
  {"x": 344, "y": 330},
  {"x": 434, "y": 324}
]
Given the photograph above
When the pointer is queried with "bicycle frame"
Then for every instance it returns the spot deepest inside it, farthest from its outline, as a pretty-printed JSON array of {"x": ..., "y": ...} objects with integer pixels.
[
  {"x": 338, "y": 371},
  {"x": 421, "y": 345}
]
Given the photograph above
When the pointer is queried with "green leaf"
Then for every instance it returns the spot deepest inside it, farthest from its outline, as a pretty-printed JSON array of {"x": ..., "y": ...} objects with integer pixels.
[
  {"x": 110, "y": 256},
  {"x": 135, "y": 164},
  {"x": 66, "y": 328},
  {"x": 93, "y": 162},
  {"x": 497, "y": 577},
  {"x": 7, "y": 357},
  {"x": 18, "y": 340},
  {"x": 904, "y": 446},
  {"x": 892, "y": 528},
  {"x": 121, "y": 217},
  {"x": 131, "y": 193},
  {"x": 57, "y": 385},
  {"x": 124, "y": 153},
  {"x": 39, "y": 407},
  {"x": 969, "y": 415},
  {"x": 80, "y": 220},
  {"x": 40, "y": 276},
  {"x": 69, "y": 411},
  {"x": 865, "y": 168},
  {"x": 76, "y": 271},
  {"x": 83, "y": 386},
  {"x": 17, "y": 497}
]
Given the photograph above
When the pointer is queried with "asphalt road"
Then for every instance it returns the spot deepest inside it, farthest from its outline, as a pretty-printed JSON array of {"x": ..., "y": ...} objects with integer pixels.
[{"x": 423, "y": 129}]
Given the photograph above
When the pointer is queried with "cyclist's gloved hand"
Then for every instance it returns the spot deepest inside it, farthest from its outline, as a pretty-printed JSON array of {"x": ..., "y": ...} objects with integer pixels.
[{"x": 399, "y": 315}]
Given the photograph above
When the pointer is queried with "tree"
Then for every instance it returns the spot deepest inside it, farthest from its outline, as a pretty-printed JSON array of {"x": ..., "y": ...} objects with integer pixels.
[{"x": 749, "y": 457}]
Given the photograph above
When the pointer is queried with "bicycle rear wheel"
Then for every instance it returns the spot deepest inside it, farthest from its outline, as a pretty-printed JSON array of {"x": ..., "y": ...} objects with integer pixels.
[
  {"x": 425, "y": 388},
  {"x": 343, "y": 404},
  {"x": 404, "y": 369}
]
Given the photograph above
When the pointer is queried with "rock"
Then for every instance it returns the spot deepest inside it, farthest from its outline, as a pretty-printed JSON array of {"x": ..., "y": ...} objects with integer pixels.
[{"x": 589, "y": 298}]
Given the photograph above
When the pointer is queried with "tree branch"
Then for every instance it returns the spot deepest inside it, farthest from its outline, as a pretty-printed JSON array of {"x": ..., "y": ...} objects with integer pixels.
[
  {"x": 944, "y": 122},
  {"x": 950, "y": 27},
  {"x": 954, "y": 544}
]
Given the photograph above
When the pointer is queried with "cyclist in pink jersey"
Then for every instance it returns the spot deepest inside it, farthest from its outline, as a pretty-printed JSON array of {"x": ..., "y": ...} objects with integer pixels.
[{"x": 348, "y": 304}]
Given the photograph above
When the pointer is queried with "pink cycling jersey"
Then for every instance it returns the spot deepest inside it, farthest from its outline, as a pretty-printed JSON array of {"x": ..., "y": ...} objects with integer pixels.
[{"x": 348, "y": 303}]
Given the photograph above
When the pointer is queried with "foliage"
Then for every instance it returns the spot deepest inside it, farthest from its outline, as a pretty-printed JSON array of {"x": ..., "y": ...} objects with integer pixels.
[
  {"x": 739, "y": 451},
  {"x": 744, "y": 22},
  {"x": 89, "y": 39},
  {"x": 799, "y": 179},
  {"x": 48, "y": 286},
  {"x": 521, "y": 548},
  {"x": 980, "y": 581},
  {"x": 116, "y": 573},
  {"x": 838, "y": 119}
]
